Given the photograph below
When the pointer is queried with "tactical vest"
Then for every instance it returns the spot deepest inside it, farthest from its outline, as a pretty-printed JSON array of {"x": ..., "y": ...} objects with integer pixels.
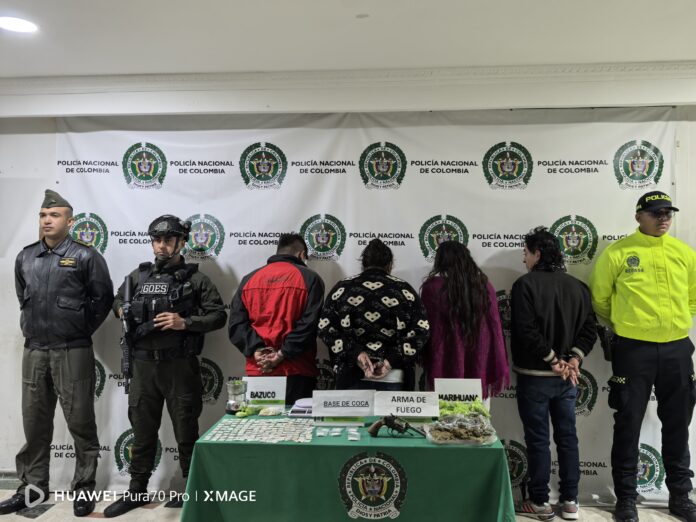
[{"x": 169, "y": 291}]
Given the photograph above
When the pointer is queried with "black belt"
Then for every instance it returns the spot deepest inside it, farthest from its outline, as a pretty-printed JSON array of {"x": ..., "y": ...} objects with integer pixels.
[{"x": 160, "y": 355}]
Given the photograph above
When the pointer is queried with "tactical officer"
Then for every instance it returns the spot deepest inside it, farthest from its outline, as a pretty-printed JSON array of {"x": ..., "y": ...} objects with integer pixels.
[
  {"x": 173, "y": 306},
  {"x": 64, "y": 291},
  {"x": 644, "y": 287}
]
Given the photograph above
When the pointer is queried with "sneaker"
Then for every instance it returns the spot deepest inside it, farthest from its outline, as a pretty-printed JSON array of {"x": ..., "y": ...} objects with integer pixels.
[
  {"x": 625, "y": 510},
  {"x": 569, "y": 510},
  {"x": 682, "y": 506},
  {"x": 539, "y": 511}
]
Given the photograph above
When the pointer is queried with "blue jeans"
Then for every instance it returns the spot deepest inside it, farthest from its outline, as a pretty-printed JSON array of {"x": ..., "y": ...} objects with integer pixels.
[{"x": 537, "y": 398}]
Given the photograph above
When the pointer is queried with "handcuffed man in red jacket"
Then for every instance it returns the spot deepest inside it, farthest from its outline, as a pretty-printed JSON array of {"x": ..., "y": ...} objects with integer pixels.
[{"x": 274, "y": 316}]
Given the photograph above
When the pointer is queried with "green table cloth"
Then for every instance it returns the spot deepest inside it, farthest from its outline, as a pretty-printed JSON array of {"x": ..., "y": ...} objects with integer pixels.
[{"x": 333, "y": 479}]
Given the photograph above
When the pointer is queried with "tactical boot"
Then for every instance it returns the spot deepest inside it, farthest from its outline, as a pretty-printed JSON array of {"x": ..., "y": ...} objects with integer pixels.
[
  {"x": 177, "y": 502},
  {"x": 84, "y": 503},
  {"x": 626, "y": 510},
  {"x": 128, "y": 502},
  {"x": 682, "y": 506}
]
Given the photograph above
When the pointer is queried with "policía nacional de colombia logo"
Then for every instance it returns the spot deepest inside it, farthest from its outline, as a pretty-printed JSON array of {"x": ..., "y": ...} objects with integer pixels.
[
  {"x": 263, "y": 165},
  {"x": 518, "y": 465},
  {"x": 325, "y": 236},
  {"x": 651, "y": 470},
  {"x": 123, "y": 452},
  {"x": 577, "y": 237},
  {"x": 206, "y": 238},
  {"x": 587, "y": 393},
  {"x": 507, "y": 165},
  {"x": 144, "y": 166},
  {"x": 382, "y": 165},
  {"x": 372, "y": 487},
  {"x": 504, "y": 310},
  {"x": 638, "y": 164},
  {"x": 212, "y": 378},
  {"x": 99, "y": 379},
  {"x": 90, "y": 229},
  {"x": 438, "y": 229}
]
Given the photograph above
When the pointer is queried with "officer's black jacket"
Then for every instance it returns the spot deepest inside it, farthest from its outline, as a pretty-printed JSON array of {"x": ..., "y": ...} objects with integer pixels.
[{"x": 64, "y": 293}]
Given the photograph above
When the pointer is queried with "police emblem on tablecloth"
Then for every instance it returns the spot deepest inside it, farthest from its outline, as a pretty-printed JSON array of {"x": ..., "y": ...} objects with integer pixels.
[
  {"x": 504, "y": 310},
  {"x": 327, "y": 376},
  {"x": 382, "y": 165},
  {"x": 507, "y": 165},
  {"x": 99, "y": 379},
  {"x": 438, "y": 229},
  {"x": 372, "y": 487},
  {"x": 206, "y": 238},
  {"x": 144, "y": 166},
  {"x": 263, "y": 165},
  {"x": 651, "y": 470},
  {"x": 123, "y": 452},
  {"x": 325, "y": 236},
  {"x": 577, "y": 237},
  {"x": 518, "y": 464},
  {"x": 90, "y": 229},
  {"x": 587, "y": 393},
  {"x": 638, "y": 164},
  {"x": 212, "y": 378}
]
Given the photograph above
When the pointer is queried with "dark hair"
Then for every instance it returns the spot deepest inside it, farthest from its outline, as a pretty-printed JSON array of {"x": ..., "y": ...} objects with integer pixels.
[
  {"x": 465, "y": 287},
  {"x": 291, "y": 243},
  {"x": 376, "y": 254},
  {"x": 542, "y": 241}
]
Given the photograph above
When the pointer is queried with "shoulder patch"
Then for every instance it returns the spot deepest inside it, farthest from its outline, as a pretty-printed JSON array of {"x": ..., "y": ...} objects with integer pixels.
[{"x": 80, "y": 242}]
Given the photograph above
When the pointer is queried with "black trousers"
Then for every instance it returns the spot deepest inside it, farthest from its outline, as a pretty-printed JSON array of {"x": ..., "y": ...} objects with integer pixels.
[
  {"x": 298, "y": 387},
  {"x": 637, "y": 367},
  {"x": 176, "y": 382}
]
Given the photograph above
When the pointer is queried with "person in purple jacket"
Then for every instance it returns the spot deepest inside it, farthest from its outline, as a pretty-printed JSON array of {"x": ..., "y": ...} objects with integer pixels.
[{"x": 466, "y": 336}]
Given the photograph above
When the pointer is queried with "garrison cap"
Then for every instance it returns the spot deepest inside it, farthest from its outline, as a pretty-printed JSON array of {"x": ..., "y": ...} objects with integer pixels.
[{"x": 53, "y": 199}]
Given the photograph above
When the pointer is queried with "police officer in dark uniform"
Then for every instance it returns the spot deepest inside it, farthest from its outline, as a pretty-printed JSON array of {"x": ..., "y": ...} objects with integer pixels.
[
  {"x": 173, "y": 306},
  {"x": 65, "y": 292}
]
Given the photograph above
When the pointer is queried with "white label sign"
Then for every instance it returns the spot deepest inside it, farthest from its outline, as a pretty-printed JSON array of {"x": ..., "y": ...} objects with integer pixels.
[
  {"x": 265, "y": 390},
  {"x": 407, "y": 404},
  {"x": 458, "y": 389},
  {"x": 343, "y": 403}
]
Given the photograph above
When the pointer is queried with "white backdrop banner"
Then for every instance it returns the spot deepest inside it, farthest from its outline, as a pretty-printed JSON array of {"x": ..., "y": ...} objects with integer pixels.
[{"x": 340, "y": 180}]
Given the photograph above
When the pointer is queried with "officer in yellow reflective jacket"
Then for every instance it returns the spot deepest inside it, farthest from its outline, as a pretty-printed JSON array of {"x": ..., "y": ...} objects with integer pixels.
[{"x": 644, "y": 287}]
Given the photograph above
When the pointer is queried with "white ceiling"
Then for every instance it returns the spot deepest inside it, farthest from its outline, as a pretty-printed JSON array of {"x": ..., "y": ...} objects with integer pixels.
[{"x": 117, "y": 37}]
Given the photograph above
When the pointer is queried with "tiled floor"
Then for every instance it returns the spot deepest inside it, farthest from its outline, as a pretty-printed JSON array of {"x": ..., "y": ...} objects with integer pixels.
[{"x": 60, "y": 511}]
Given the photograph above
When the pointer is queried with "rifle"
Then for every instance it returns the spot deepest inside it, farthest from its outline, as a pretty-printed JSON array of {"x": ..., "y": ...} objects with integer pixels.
[
  {"x": 126, "y": 337},
  {"x": 395, "y": 425}
]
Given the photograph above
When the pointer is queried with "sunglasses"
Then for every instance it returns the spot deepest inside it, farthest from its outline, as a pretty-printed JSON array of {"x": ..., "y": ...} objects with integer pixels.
[{"x": 661, "y": 214}]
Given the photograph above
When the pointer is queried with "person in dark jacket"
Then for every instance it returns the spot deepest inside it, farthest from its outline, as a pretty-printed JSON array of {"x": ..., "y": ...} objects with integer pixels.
[
  {"x": 65, "y": 292},
  {"x": 553, "y": 329},
  {"x": 274, "y": 315},
  {"x": 173, "y": 306},
  {"x": 374, "y": 325}
]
